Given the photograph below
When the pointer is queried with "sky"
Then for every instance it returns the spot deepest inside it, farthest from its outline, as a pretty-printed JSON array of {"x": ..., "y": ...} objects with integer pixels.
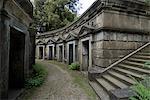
[{"x": 85, "y": 5}]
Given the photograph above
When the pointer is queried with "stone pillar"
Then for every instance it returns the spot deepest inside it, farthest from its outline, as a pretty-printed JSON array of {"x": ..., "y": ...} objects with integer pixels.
[
  {"x": 4, "y": 53},
  {"x": 26, "y": 57},
  {"x": 32, "y": 46}
]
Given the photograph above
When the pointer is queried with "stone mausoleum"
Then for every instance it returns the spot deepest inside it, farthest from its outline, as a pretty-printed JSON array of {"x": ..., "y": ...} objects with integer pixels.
[
  {"x": 109, "y": 33},
  {"x": 16, "y": 46}
]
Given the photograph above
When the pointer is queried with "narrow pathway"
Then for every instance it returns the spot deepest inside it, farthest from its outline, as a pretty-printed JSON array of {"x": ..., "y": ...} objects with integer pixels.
[{"x": 58, "y": 86}]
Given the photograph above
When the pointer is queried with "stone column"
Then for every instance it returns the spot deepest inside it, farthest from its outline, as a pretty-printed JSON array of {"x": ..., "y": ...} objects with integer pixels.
[
  {"x": 32, "y": 46},
  {"x": 4, "y": 53},
  {"x": 26, "y": 56}
]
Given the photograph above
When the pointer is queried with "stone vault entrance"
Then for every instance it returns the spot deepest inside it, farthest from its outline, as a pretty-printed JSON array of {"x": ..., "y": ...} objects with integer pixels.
[
  {"x": 50, "y": 52},
  {"x": 71, "y": 54},
  {"x": 60, "y": 53},
  {"x": 16, "y": 60},
  {"x": 41, "y": 52},
  {"x": 85, "y": 55}
]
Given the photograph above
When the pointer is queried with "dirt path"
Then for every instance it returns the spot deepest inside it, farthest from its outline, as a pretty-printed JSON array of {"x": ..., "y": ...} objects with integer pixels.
[{"x": 58, "y": 86}]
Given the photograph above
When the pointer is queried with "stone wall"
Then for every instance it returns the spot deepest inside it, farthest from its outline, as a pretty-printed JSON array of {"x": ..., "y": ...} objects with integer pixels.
[
  {"x": 114, "y": 28},
  {"x": 111, "y": 46},
  {"x": 14, "y": 20}
]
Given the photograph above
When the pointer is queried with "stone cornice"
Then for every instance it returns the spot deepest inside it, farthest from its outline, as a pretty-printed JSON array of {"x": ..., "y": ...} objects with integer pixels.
[
  {"x": 27, "y": 6},
  {"x": 135, "y": 7}
]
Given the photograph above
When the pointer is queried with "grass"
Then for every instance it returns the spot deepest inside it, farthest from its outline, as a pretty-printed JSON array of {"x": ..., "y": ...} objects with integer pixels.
[{"x": 78, "y": 79}]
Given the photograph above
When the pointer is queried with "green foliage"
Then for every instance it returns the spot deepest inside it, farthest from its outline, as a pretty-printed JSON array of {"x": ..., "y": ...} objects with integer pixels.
[
  {"x": 38, "y": 77},
  {"x": 142, "y": 90},
  {"x": 147, "y": 64},
  {"x": 147, "y": 2},
  {"x": 74, "y": 66},
  {"x": 52, "y": 14}
]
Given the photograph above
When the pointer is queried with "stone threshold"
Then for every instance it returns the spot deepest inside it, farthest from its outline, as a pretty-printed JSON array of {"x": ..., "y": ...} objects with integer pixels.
[{"x": 13, "y": 94}]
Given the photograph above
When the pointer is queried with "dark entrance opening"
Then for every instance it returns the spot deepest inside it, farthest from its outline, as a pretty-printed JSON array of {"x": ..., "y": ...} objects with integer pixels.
[
  {"x": 50, "y": 52},
  {"x": 40, "y": 52},
  {"x": 70, "y": 53},
  {"x": 61, "y": 53},
  {"x": 85, "y": 56},
  {"x": 16, "y": 60}
]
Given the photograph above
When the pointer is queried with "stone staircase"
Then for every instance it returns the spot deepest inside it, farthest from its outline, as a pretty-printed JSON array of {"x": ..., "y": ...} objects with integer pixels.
[{"x": 114, "y": 82}]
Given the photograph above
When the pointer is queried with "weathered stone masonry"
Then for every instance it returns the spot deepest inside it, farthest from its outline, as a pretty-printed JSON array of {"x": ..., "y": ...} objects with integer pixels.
[
  {"x": 106, "y": 32},
  {"x": 15, "y": 44}
]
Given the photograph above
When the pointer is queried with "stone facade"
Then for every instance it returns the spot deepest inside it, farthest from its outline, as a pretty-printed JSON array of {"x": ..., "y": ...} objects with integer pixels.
[
  {"x": 106, "y": 32},
  {"x": 15, "y": 44}
]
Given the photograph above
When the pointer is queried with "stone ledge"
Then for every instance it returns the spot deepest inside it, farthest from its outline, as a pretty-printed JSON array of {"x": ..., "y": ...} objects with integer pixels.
[
  {"x": 121, "y": 94},
  {"x": 94, "y": 72}
]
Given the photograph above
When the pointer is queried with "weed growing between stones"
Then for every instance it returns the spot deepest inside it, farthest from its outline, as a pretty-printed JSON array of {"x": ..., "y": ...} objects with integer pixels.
[{"x": 37, "y": 78}]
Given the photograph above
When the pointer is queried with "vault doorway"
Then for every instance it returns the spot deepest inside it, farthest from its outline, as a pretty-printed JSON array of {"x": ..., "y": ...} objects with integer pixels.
[
  {"x": 50, "y": 52},
  {"x": 61, "y": 53},
  {"x": 85, "y": 55},
  {"x": 71, "y": 53},
  {"x": 16, "y": 60}
]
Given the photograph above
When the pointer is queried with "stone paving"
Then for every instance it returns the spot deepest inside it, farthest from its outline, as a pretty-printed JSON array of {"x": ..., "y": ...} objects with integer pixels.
[{"x": 58, "y": 86}]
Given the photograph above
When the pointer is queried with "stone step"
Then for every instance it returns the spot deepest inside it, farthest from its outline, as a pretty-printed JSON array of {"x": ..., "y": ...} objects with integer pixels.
[
  {"x": 101, "y": 93},
  {"x": 128, "y": 73},
  {"x": 105, "y": 84},
  {"x": 140, "y": 70},
  {"x": 122, "y": 77},
  {"x": 143, "y": 53},
  {"x": 138, "y": 60},
  {"x": 114, "y": 81},
  {"x": 142, "y": 56},
  {"x": 134, "y": 63}
]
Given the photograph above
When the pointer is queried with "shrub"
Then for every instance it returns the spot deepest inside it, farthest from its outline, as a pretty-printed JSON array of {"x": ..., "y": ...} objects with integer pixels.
[
  {"x": 37, "y": 78},
  {"x": 142, "y": 90},
  {"x": 74, "y": 66}
]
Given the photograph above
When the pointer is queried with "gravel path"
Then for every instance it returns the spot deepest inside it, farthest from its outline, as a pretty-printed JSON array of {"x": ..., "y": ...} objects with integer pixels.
[{"x": 58, "y": 86}]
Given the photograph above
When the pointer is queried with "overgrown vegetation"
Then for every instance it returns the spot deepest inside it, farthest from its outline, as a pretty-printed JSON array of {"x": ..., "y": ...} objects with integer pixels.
[
  {"x": 53, "y": 14},
  {"x": 147, "y": 64},
  {"x": 147, "y": 2},
  {"x": 74, "y": 66},
  {"x": 38, "y": 76},
  {"x": 142, "y": 89}
]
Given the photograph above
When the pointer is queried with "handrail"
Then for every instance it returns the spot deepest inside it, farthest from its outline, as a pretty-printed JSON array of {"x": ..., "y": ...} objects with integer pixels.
[{"x": 126, "y": 57}]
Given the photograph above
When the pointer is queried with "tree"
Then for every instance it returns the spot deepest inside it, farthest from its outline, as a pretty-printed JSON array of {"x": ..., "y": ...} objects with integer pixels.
[{"x": 53, "y": 14}]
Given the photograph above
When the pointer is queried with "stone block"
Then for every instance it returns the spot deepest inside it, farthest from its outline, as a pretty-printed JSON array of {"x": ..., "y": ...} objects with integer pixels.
[
  {"x": 110, "y": 36},
  {"x": 121, "y": 94},
  {"x": 97, "y": 45},
  {"x": 122, "y": 37},
  {"x": 103, "y": 63},
  {"x": 98, "y": 36}
]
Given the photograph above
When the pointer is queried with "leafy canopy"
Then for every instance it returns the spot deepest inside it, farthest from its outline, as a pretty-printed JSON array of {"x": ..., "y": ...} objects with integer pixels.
[{"x": 53, "y": 14}]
